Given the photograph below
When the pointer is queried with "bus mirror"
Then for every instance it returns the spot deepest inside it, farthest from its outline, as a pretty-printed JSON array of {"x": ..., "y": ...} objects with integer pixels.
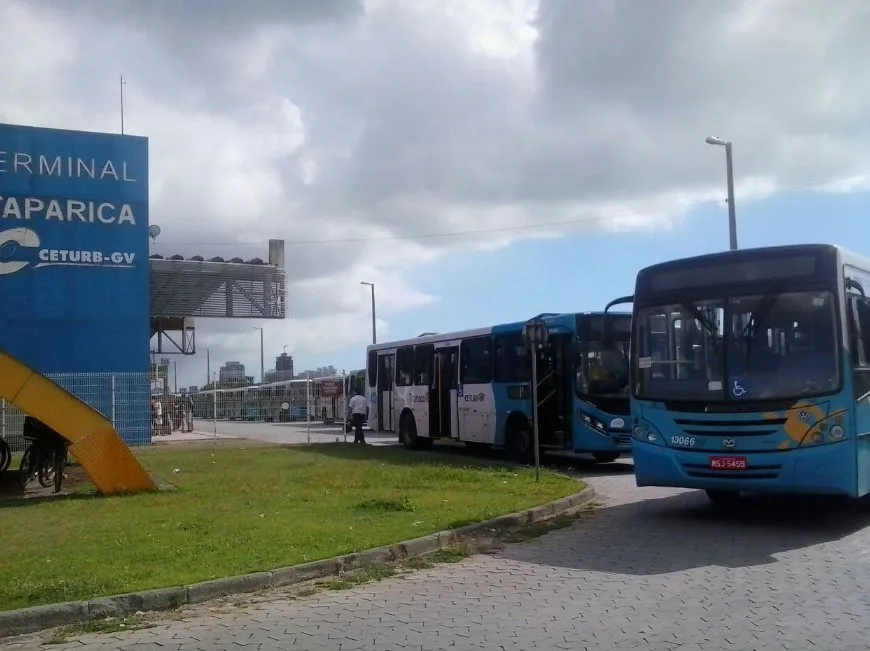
[{"x": 851, "y": 283}]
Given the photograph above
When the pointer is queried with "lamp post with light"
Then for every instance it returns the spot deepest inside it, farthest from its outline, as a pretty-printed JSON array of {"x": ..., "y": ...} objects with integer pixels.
[
  {"x": 729, "y": 171},
  {"x": 262, "y": 358}
]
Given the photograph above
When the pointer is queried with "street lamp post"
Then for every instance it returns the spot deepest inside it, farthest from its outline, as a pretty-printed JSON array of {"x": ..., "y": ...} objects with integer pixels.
[
  {"x": 374, "y": 319},
  {"x": 729, "y": 171},
  {"x": 262, "y": 358}
]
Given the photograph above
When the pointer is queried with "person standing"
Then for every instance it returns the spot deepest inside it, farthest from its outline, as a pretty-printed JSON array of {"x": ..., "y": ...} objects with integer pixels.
[
  {"x": 188, "y": 408},
  {"x": 359, "y": 411},
  {"x": 157, "y": 416}
]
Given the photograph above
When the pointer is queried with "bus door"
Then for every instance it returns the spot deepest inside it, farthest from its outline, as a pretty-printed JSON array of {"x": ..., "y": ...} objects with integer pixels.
[
  {"x": 554, "y": 392},
  {"x": 442, "y": 393},
  {"x": 386, "y": 383}
]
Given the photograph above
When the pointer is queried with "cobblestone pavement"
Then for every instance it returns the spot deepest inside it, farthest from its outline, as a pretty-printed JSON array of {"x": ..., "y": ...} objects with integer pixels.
[{"x": 653, "y": 569}]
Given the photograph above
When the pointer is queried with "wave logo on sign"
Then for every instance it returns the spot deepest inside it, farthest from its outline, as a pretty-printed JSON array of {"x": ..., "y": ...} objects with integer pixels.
[{"x": 25, "y": 243}]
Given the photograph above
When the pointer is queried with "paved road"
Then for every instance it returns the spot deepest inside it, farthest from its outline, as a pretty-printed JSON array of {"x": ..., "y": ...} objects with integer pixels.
[
  {"x": 654, "y": 569},
  {"x": 285, "y": 433}
]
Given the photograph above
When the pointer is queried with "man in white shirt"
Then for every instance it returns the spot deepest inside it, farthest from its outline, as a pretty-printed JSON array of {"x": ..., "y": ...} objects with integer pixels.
[{"x": 359, "y": 410}]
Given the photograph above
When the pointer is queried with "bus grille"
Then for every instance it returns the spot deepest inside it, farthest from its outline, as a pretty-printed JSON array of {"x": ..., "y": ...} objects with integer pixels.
[{"x": 730, "y": 427}]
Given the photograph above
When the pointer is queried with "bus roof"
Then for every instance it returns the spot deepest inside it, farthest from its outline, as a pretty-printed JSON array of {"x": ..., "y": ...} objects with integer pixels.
[
  {"x": 504, "y": 328},
  {"x": 729, "y": 256},
  {"x": 835, "y": 252}
]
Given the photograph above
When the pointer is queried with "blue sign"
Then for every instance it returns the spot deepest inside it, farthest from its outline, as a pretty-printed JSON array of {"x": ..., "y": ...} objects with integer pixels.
[{"x": 74, "y": 250}]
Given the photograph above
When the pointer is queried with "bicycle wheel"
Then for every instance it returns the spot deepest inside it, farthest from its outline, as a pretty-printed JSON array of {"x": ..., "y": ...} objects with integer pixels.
[
  {"x": 5, "y": 456},
  {"x": 46, "y": 467},
  {"x": 27, "y": 470}
]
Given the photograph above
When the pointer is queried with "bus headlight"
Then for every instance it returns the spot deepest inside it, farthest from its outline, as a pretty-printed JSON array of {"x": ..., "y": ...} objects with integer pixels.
[
  {"x": 644, "y": 432},
  {"x": 831, "y": 429}
]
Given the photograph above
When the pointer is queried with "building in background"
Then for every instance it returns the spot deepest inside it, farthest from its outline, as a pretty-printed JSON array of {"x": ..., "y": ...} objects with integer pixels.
[
  {"x": 283, "y": 369},
  {"x": 320, "y": 371},
  {"x": 231, "y": 371},
  {"x": 284, "y": 366}
]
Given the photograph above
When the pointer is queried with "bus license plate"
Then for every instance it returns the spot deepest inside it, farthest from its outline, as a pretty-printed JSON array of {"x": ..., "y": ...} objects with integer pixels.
[{"x": 728, "y": 463}]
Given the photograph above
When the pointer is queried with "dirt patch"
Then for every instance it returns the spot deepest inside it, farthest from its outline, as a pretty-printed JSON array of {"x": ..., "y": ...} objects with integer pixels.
[
  {"x": 75, "y": 481},
  {"x": 74, "y": 478}
]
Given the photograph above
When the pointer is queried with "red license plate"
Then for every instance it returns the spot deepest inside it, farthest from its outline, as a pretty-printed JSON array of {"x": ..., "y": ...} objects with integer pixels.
[{"x": 728, "y": 463}]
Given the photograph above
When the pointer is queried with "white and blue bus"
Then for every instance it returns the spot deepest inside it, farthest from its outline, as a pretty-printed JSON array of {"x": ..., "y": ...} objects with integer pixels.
[
  {"x": 474, "y": 386},
  {"x": 751, "y": 372}
]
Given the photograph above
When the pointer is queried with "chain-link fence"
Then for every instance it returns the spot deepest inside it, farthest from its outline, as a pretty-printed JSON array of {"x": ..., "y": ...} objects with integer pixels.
[
  {"x": 123, "y": 398},
  {"x": 290, "y": 401}
]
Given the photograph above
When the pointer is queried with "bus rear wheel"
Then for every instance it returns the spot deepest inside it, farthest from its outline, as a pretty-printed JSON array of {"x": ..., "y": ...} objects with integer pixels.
[
  {"x": 723, "y": 497},
  {"x": 521, "y": 443},
  {"x": 408, "y": 434},
  {"x": 605, "y": 457}
]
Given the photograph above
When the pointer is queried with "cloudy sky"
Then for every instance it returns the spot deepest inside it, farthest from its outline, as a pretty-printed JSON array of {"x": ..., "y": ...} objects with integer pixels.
[{"x": 479, "y": 161}]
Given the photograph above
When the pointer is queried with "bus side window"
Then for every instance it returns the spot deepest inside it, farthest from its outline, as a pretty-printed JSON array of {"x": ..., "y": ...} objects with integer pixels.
[
  {"x": 475, "y": 359},
  {"x": 423, "y": 357},
  {"x": 372, "y": 370},
  {"x": 511, "y": 361},
  {"x": 860, "y": 327},
  {"x": 405, "y": 366}
]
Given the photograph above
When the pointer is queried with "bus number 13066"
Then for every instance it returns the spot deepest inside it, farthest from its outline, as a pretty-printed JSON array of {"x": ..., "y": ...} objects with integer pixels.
[{"x": 683, "y": 441}]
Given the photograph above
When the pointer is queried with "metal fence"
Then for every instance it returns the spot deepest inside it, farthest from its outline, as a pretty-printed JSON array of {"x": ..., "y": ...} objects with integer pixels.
[
  {"x": 290, "y": 401},
  {"x": 123, "y": 398}
]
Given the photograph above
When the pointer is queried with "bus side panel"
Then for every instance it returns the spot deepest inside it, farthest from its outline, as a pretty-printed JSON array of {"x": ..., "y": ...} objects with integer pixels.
[
  {"x": 861, "y": 432},
  {"x": 476, "y": 413},
  {"x": 418, "y": 401},
  {"x": 505, "y": 404}
]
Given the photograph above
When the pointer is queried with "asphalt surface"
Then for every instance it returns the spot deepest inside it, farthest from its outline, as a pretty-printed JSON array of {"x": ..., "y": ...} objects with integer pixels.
[
  {"x": 652, "y": 569},
  {"x": 285, "y": 433}
]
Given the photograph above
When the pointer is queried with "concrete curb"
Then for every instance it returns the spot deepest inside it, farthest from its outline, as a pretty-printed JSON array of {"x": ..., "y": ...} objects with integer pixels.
[{"x": 38, "y": 618}]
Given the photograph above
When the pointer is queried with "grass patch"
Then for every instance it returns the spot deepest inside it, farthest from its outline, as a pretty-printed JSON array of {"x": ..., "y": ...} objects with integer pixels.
[
  {"x": 352, "y": 579},
  {"x": 243, "y": 508}
]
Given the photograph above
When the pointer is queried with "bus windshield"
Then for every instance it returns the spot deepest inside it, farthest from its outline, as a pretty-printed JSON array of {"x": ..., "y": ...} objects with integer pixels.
[
  {"x": 603, "y": 368},
  {"x": 768, "y": 346}
]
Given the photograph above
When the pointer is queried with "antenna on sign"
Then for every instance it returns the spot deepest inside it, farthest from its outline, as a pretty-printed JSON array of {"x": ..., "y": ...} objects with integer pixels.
[
  {"x": 123, "y": 83},
  {"x": 153, "y": 232}
]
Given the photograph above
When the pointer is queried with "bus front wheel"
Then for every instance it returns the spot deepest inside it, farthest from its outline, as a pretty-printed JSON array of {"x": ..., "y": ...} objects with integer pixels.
[
  {"x": 605, "y": 457},
  {"x": 723, "y": 497}
]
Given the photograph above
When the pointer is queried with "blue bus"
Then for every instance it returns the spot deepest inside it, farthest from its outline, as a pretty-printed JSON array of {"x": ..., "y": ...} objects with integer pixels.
[
  {"x": 474, "y": 386},
  {"x": 750, "y": 372}
]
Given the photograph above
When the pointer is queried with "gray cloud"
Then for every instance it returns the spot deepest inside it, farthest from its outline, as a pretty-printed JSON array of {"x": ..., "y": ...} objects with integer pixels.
[{"x": 425, "y": 117}]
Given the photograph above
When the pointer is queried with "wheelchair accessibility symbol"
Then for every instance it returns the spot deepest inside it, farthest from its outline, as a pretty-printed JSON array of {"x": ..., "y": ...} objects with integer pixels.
[{"x": 737, "y": 389}]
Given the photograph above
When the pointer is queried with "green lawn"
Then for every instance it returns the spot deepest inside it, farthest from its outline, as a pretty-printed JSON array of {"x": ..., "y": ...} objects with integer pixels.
[{"x": 244, "y": 508}]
